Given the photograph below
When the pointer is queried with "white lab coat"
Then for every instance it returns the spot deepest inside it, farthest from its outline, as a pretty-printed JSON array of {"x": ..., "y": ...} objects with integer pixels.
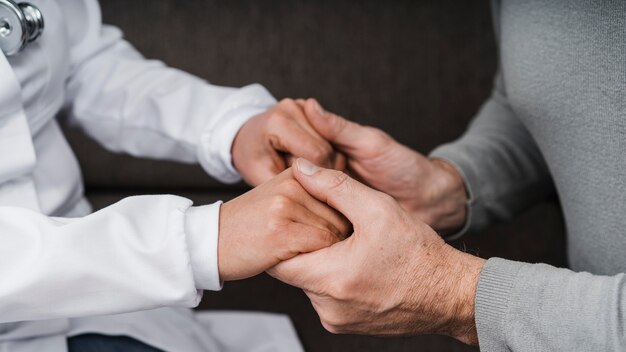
[{"x": 65, "y": 272}]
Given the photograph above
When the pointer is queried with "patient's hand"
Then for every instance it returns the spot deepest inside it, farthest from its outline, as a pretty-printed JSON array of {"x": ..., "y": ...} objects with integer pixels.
[
  {"x": 266, "y": 145},
  {"x": 431, "y": 190},
  {"x": 271, "y": 223},
  {"x": 393, "y": 276}
]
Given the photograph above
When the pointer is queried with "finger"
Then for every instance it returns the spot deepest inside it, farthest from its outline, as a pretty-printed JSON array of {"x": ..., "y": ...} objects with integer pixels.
[
  {"x": 331, "y": 215},
  {"x": 350, "y": 197},
  {"x": 304, "y": 270},
  {"x": 345, "y": 134},
  {"x": 341, "y": 162},
  {"x": 294, "y": 192},
  {"x": 300, "y": 214},
  {"x": 291, "y": 138},
  {"x": 271, "y": 165},
  {"x": 301, "y": 103},
  {"x": 295, "y": 109},
  {"x": 305, "y": 238}
]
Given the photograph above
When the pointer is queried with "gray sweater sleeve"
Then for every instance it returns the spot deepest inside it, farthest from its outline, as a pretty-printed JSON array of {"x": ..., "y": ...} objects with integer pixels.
[
  {"x": 528, "y": 307},
  {"x": 503, "y": 169},
  {"x": 537, "y": 307}
]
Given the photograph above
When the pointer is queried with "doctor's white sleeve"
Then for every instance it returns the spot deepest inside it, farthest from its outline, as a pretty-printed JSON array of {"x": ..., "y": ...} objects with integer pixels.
[
  {"x": 144, "y": 108},
  {"x": 138, "y": 254}
]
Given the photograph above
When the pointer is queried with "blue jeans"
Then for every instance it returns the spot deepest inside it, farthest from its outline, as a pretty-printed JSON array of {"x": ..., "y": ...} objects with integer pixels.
[{"x": 103, "y": 343}]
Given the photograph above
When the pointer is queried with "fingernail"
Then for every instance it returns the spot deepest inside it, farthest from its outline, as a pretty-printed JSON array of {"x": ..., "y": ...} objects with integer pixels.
[
  {"x": 307, "y": 167},
  {"x": 320, "y": 109}
]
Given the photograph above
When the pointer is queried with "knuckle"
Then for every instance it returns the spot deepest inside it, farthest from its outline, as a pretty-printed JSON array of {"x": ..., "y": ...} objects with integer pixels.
[
  {"x": 279, "y": 204},
  {"x": 379, "y": 138},
  {"x": 376, "y": 133},
  {"x": 339, "y": 181},
  {"x": 290, "y": 187},
  {"x": 387, "y": 206},
  {"x": 278, "y": 117},
  {"x": 322, "y": 153},
  {"x": 287, "y": 102}
]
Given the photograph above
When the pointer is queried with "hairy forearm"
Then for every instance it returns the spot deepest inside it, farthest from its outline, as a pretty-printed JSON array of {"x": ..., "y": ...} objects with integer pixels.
[
  {"x": 453, "y": 292},
  {"x": 466, "y": 274}
]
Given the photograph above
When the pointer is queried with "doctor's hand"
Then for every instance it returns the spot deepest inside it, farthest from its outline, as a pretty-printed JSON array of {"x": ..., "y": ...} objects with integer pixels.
[
  {"x": 272, "y": 223},
  {"x": 431, "y": 190},
  {"x": 393, "y": 276},
  {"x": 267, "y": 143}
]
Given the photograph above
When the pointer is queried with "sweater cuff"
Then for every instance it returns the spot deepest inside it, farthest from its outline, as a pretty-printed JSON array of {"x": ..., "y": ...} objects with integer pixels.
[
  {"x": 202, "y": 227},
  {"x": 475, "y": 213},
  {"x": 493, "y": 297}
]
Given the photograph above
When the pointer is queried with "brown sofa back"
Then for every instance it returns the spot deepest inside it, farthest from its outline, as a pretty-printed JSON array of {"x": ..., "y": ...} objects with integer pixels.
[{"x": 417, "y": 69}]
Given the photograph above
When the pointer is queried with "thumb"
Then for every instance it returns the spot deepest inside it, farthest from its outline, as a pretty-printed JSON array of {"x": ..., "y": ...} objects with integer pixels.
[
  {"x": 350, "y": 197},
  {"x": 342, "y": 133}
]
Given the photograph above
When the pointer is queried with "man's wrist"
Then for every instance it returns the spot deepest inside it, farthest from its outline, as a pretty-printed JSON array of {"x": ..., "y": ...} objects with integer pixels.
[
  {"x": 464, "y": 272},
  {"x": 450, "y": 211}
]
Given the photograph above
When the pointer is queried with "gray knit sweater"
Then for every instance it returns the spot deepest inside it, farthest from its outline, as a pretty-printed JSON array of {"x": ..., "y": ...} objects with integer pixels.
[{"x": 556, "y": 122}]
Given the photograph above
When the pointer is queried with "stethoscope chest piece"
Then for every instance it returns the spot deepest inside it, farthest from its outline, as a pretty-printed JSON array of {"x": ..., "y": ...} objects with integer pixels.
[{"x": 20, "y": 24}]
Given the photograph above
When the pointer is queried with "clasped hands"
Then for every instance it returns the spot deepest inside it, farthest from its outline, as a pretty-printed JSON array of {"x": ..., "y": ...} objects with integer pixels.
[{"x": 367, "y": 252}]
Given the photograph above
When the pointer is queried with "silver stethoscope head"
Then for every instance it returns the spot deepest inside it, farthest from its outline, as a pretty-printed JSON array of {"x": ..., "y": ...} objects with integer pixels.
[{"x": 20, "y": 24}]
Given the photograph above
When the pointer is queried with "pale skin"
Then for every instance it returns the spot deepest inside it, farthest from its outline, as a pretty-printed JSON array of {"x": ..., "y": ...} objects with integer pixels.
[
  {"x": 278, "y": 219},
  {"x": 271, "y": 223},
  {"x": 393, "y": 276},
  {"x": 268, "y": 143}
]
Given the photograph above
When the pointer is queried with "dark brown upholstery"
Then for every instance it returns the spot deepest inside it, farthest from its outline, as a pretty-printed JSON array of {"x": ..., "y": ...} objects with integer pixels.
[{"x": 417, "y": 69}]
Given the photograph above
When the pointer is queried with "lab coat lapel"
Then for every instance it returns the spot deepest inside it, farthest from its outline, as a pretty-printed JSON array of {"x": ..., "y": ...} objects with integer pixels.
[{"x": 17, "y": 153}]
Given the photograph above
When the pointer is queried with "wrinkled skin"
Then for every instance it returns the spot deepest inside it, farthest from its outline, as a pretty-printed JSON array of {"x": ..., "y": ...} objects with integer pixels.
[
  {"x": 393, "y": 276},
  {"x": 431, "y": 190}
]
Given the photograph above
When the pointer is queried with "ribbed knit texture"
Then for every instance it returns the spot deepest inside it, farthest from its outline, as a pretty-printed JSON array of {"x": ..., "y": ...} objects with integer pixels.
[
  {"x": 494, "y": 288},
  {"x": 556, "y": 123}
]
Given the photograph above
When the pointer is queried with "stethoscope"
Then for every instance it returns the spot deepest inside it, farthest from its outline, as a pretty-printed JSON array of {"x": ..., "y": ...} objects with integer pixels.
[{"x": 20, "y": 24}]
